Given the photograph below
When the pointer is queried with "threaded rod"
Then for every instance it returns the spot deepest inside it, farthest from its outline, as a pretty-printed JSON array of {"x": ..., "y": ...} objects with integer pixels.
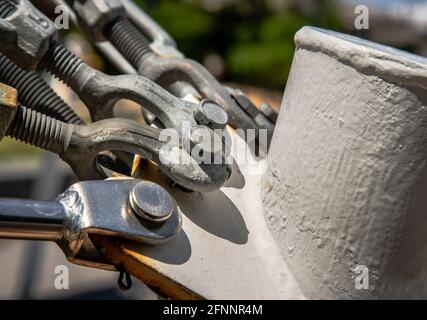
[
  {"x": 6, "y": 9},
  {"x": 61, "y": 62},
  {"x": 37, "y": 129},
  {"x": 128, "y": 40},
  {"x": 35, "y": 93}
]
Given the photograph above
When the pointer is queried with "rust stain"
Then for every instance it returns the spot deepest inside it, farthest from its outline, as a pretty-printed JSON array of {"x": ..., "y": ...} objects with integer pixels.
[
  {"x": 8, "y": 96},
  {"x": 143, "y": 268},
  {"x": 136, "y": 165}
]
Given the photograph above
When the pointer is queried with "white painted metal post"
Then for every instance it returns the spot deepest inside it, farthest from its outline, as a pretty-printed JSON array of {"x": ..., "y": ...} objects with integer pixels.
[{"x": 346, "y": 190}]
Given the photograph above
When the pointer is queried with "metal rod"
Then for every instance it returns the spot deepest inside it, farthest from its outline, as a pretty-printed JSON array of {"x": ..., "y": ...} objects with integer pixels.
[{"x": 31, "y": 220}]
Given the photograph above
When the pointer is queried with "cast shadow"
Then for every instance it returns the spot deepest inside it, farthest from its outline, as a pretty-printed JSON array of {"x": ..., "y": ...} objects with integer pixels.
[
  {"x": 215, "y": 213},
  {"x": 180, "y": 247}
]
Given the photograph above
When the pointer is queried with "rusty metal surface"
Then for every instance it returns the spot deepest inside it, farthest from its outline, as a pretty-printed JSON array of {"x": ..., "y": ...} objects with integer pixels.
[
  {"x": 8, "y": 106},
  {"x": 8, "y": 96}
]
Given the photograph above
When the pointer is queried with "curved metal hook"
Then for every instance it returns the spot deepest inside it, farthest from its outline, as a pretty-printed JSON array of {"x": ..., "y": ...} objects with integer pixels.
[{"x": 88, "y": 141}]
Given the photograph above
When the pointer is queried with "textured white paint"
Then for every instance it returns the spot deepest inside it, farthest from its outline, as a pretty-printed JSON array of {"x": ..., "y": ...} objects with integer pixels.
[
  {"x": 347, "y": 182},
  {"x": 225, "y": 249}
]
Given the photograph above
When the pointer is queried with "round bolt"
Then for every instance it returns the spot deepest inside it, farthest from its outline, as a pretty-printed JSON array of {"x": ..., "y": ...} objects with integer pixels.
[
  {"x": 151, "y": 202},
  {"x": 210, "y": 114}
]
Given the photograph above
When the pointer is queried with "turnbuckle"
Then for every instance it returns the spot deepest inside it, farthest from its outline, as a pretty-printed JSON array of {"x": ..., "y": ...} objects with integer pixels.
[
  {"x": 81, "y": 146},
  {"x": 153, "y": 53},
  {"x": 100, "y": 93}
]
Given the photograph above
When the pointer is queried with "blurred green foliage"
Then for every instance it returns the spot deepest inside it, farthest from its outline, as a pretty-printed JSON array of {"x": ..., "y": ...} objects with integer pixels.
[
  {"x": 10, "y": 150},
  {"x": 255, "y": 41}
]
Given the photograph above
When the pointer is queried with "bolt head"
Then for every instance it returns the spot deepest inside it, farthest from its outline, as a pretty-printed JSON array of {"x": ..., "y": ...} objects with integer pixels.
[
  {"x": 210, "y": 114},
  {"x": 151, "y": 202}
]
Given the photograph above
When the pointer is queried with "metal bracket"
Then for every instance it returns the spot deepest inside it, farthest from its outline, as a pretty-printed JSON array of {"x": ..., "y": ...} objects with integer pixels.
[{"x": 87, "y": 209}]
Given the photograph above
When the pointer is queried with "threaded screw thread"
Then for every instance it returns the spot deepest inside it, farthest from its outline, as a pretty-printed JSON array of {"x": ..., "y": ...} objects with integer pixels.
[
  {"x": 128, "y": 40},
  {"x": 37, "y": 129},
  {"x": 35, "y": 93},
  {"x": 61, "y": 62},
  {"x": 6, "y": 9}
]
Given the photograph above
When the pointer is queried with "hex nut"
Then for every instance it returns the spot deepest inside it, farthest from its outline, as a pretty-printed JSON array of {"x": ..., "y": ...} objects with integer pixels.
[
  {"x": 210, "y": 114},
  {"x": 26, "y": 34},
  {"x": 95, "y": 15}
]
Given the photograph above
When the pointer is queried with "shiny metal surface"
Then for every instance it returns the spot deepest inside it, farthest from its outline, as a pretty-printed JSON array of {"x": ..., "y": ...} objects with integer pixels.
[
  {"x": 85, "y": 209},
  {"x": 102, "y": 207},
  {"x": 29, "y": 219},
  {"x": 151, "y": 202}
]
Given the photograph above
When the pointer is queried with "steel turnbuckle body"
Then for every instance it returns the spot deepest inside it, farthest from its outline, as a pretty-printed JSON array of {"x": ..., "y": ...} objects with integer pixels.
[{"x": 82, "y": 145}]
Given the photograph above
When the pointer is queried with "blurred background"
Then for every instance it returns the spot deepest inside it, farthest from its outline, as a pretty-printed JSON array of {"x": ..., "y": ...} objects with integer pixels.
[{"x": 244, "y": 43}]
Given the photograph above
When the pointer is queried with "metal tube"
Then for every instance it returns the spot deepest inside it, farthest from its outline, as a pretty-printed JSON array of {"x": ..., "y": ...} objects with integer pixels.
[{"x": 31, "y": 220}]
